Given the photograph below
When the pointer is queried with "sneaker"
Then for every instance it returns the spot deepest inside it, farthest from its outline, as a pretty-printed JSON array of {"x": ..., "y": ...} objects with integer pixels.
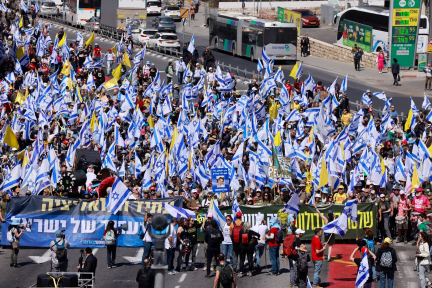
[
  {"x": 177, "y": 269},
  {"x": 240, "y": 274},
  {"x": 114, "y": 265},
  {"x": 174, "y": 272},
  {"x": 249, "y": 274},
  {"x": 207, "y": 276},
  {"x": 405, "y": 241},
  {"x": 398, "y": 240},
  {"x": 183, "y": 269},
  {"x": 109, "y": 267},
  {"x": 211, "y": 269},
  {"x": 170, "y": 273},
  {"x": 205, "y": 268},
  {"x": 193, "y": 268}
]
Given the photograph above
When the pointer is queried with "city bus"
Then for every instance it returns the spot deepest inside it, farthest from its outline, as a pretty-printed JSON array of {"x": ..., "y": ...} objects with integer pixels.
[
  {"x": 245, "y": 36},
  {"x": 378, "y": 19},
  {"x": 78, "y": 12}
]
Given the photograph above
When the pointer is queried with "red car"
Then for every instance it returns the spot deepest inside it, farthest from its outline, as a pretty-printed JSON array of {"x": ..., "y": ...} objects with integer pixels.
[{"x": 308, "y": 18}]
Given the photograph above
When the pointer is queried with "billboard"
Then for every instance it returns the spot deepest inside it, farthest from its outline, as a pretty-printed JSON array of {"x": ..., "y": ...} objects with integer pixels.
[
  {"x": 288, "y": 16},
  {"x": 356, "y": 33}
]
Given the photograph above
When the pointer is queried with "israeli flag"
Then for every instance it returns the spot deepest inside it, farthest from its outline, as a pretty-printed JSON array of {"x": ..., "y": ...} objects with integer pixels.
[
  {"x": 366, "y": 100},
  {"x": 29, "y": 180},
  {"x": 380, "y": 95},
  {"x": 139, "y": 56},
  {"x": 178, "y": 212},
  {"x": 426, "y": 102},
  {"x": 299, "y": 72},
  {"x": 339, "y": 226},
  {"x": 259, "y": 66},
  {"x": 80, "y": 39},
  {"x": 128, "y": 32},
  {"x": 191, "y": 47},
  {"x": 157, "y": 141},
  {"x": 12, "y": 178},
  {"x": 217, "y": 215},
  {"x": 42, "y": 178},
  {"x": 18, "y": 69},
  {"x": 235, "y": 207},
  {"x": 10, "y": 78},
  {"x": 118, "y": 196},
  {"x": 344, "y": 85},
  {"x": 3, "y": 8},
  {"x": 293, "y": 205},
  {"x": 265, "y": 58},
  {"x": 363, "y": 272},
  {"x": 90, "y": 81},
  {"x": 36, "y": 7},
  {"x": 138, "y": 166},
  {"x": 202, "y": 175},
  {"x": 23, "y": 6}
]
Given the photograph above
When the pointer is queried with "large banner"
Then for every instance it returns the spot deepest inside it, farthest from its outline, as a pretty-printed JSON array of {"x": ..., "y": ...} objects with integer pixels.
[
  {"x": 356, "y": 33},
  {"x": 288, "y": 16},
  {"x": 308, "y": 218},
  {"x": 83, "y": 221}
]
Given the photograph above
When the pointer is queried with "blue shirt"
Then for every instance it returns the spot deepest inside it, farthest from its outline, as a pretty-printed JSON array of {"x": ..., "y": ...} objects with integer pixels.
[
  {"x": 393, "y": 114},
  {"x": 290, "y": 219}
]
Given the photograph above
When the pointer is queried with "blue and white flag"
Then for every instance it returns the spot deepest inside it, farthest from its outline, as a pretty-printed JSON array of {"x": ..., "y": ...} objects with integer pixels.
[
  {"x": 339, "y": 226},
  {"x": 235, "y": 207},
  {"x": 12, "y": 178},
  {"x": 217, "y": 215},
  {"x": 117, "y": 197},
  {"x": 29, "y": 181},
  {"x": 178, "y": 212},
  {"x": 344, "y": 85},
  {"x": 36, "y": 7},
  {"x": 380, "y": 95},
  {"x": 23, "y": 6},
  {"x": 363, "y": 272},
  {"x": 426, "y": 102},
  {"x": 265, "y": 58},
  {"x": 259, "y": 66},
  {"x": 157, "y": 141},
  {"x": 366, "y": 100},
  {"x": 191, "y": 47},
  {"x": 122, "y": 171},
  {"x": 293, "y": 205}
]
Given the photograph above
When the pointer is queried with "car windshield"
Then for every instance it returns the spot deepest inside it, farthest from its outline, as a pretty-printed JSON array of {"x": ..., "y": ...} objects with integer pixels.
[
  {"x": 154, "y": 3},
  {"x": 49, "y": 4},
  {"x": 307, "y": 13},
  {"x": 95, "y": 19},
  {"x": 166, "y": 20},
  {"x": 137, "y": 31},
  {"x": 149, "y": 32},
  {"x": 172, "y": 8},
  {"x": 169, "y": 37}
]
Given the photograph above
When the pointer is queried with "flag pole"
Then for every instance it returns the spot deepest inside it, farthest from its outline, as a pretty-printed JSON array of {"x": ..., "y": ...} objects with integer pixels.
[{"x": 330, "y": 235}]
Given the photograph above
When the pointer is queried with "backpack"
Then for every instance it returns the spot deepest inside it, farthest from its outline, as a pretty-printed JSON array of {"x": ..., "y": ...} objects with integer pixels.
[
  {"x": 429, "y": 229},
  {"x": 61, "y": 249},
  {"x": 144, "y": 278},
  {"x": 386, "y": 260},
  {"x": 370, "y": 244},
  {"x": 302, "y": 262},
  {"x": 10, "y": 236},
  {"x": 279, "y": 237},
  {"x": 288, "y": 244},
  {"x": 214, "y": 237},
  {"x": 110, "y": 238},
  {"x": 226, "y": 276},
  {"x": 236, "y": 233},
  {"x": 245, "y": 238}
]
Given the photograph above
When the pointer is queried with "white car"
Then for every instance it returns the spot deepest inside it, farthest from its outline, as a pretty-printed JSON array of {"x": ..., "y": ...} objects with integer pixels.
[
  {"x": 142, "y": 35},
  {"x": 154, "y": 7},
  {"x": 48, "y": 8},
  {"x": 164, "y": 40},
  {"x": 173, "y": 11}
]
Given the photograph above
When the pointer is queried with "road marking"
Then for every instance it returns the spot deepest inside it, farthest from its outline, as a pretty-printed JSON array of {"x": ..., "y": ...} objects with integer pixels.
[
  {"x": 42, "y": 259},
  {"x": 182, "y": 277},
  {"x": 177, "y": 287},
  {"x": 94, "y": 251},
  {"x": 138, "y": 257}
]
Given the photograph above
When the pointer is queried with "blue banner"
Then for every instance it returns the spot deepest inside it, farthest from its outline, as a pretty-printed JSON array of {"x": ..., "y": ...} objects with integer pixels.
[{"x": 84, "y": 221}]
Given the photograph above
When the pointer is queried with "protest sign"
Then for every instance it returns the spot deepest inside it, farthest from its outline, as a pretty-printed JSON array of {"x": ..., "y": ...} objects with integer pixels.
[{"x": 220, "y": 180}]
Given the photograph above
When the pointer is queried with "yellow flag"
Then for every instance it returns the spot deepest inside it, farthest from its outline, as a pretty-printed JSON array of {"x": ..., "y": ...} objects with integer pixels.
[
  {"x": 323, "y": 180},
  {"x": 415, "y": 181},
  {"x": 62, "y": 41},
  {"x": 273, "y": 111},
  {"x": 409, "y": 120},
  {"x": 117, "y": 72},
  {"x": 114, "y": 50},
  {"x": 382, "y": 166},
  {"x": 66, "y": 68},
  {"x": 151, "y": 123},
  {"x": 79, "y": 94},
  {"x": 92, "y": 122},
  {"x": 294, "y": 71},
  {"x": 111, "y": 84},
  {"x": 126, "y": 60},
  {"x": 21, "y": 23},
  {"x": 10, "y": 138},
  {"x": 20, "y": 98},
  {"x": 174, "y": 137},
  {"x": 277, "y": 139},
  {"x": 342, "y": 149},
  {"x": 25, "y": 159},
  {"x": 90, "y": 40},
  {"x": 70, "y": 83},
  {"x": 20, "y": 53},
  {"x": 311, "y": 136}
]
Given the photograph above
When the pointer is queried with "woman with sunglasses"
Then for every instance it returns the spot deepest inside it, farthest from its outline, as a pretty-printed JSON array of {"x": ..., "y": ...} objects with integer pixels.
[
  {"x": 181, "y": 236},
  {"x": 191, "y": 228},
  {"x": 266, "y": 199}
]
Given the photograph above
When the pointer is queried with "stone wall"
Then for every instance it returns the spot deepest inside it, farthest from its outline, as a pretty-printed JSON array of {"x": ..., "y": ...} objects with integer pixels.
[{"x": 337, "y": 52}]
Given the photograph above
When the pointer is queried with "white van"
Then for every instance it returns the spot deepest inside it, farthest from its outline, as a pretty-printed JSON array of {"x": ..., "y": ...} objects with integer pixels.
[{"x": 154, "y": 7}]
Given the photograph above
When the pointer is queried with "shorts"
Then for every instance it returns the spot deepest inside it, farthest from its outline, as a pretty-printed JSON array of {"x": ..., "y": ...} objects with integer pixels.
[
  {"x": 404, "y": 225},
  {"x": 332, "y": 239}
]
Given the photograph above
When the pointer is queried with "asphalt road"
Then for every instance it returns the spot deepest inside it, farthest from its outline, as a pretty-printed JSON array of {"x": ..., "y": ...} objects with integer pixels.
[{"x": 124, "y": 275}]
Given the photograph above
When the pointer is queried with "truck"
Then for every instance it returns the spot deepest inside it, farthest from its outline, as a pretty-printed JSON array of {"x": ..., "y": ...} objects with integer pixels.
[{"x": 119, "y": 14}]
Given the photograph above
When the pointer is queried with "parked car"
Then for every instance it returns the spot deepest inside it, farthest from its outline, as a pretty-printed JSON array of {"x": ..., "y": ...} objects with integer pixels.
[
  {"x": 142, "y": 35},
  {"x": 92, "y": 24},
  {"x": 173, "y": 11},
  {"x": 164, "y": 23},
  {"x": 48, "y": 8},
  {"x": 164, "y": 40},
  {"x": 309, "y": 19},
  {"x": 154, "y": 7}
]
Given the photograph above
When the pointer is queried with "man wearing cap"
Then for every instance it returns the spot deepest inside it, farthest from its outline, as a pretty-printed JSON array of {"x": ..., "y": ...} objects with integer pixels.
[
  {"x": 262, "y": 229},
  {"x": 420, "y": 202},
  {"x": 340, "y": 197},
  {"x": 385, "y": 211},
  {"x": 147, "y": 240},
  {"x": 59, "y": 255},
  {"x": 207, "y": 201},
  {"x": 194, "y": 203},
  {"x": 110, "y": 60},
  {"x": 294, "y": 257},
  {"x": 403, "y": 207}
]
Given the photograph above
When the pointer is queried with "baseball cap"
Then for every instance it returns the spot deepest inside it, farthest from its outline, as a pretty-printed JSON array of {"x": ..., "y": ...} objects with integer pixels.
[
  {"x": 210, "y": 215},
  {"x": 239, "y": 214},
  {"x": 387, "y": 240},
  {"x": 382, "y": 195},
  {"x": 419, "y": 189},
  {"x": 299, "y": 231},
  {"x": 341, "y": 187}
]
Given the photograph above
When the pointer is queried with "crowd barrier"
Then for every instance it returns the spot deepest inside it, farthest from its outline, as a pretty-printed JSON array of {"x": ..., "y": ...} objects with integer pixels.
[{"x": 84, "y": 221}]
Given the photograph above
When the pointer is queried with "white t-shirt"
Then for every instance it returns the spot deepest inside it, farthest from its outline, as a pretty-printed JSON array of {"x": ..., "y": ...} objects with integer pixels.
[
  {"x": 226, "y": 235},
  {"x": 147, "y": 237},
  {"x": 173, "y": 237},
  {"x": 262, "y": 230}
]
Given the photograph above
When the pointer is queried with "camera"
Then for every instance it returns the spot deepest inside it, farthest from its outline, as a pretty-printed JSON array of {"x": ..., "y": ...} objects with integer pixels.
[{"x": 23, "y": 226}]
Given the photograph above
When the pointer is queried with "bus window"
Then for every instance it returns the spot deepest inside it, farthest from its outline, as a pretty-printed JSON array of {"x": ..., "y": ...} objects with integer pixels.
[
  {"x": 280, "y": 35},
  {"x": 260, "y": 42},
  {"x": 248, "y": 36}
]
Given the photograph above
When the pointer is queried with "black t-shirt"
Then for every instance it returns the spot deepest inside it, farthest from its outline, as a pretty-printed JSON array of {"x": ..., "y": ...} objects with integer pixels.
[
  {"x": 192, "y": 233},
  {"x": 146, "y": 278}
]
